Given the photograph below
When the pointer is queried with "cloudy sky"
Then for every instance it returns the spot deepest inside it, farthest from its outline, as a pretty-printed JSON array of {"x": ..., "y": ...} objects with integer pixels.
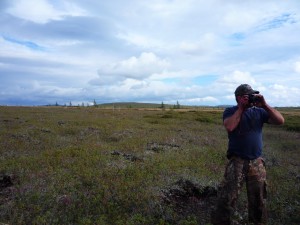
[{"x": 195, "y": 52}]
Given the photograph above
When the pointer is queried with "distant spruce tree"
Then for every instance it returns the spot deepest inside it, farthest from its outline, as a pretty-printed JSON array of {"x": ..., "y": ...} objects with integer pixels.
[{"x": 177, "y": 106}]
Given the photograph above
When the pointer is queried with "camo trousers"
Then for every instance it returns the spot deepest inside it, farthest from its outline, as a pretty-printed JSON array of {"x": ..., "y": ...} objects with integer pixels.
[{"x": 237, "y": 172}]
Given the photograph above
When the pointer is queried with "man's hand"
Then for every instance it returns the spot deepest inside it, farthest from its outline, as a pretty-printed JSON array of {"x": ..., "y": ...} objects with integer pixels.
[
  {"x": 243, "y": 102},
  {"x": 275, "y": 116},
  {"x": 233, "y": 121},
  {"x": 261, "y": 102}
]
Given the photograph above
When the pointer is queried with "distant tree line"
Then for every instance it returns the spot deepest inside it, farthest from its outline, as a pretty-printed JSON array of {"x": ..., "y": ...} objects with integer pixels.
[
  {"x": 95, "y": 104},
  {"x": 177, "y": 106},
  {"x": 70, "y": 104}
]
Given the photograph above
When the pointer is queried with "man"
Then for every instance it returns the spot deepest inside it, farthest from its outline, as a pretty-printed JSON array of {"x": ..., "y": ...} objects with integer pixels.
[{"x": 244, "y": 124}]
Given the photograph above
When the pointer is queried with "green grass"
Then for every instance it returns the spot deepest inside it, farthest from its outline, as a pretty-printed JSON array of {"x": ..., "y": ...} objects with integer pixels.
[{"x": 64, "y": 171}]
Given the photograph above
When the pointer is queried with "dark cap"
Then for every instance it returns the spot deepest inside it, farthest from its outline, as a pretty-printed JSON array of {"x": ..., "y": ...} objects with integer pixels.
[{"x": 244, "y": 89}]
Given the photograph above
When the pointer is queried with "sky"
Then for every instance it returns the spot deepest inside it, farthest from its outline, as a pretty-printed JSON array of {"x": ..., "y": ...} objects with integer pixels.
[{"x": 195, "y": 52}]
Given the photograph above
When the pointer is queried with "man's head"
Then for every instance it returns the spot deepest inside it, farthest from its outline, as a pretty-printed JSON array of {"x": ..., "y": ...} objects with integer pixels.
[{"x": 244, "y": 89}]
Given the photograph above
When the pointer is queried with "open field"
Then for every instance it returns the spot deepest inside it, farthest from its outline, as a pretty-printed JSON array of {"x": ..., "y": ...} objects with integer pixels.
[{"x": 87, "y": 165}]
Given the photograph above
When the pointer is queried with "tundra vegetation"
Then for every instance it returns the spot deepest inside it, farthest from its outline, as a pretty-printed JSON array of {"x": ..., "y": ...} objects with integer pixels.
[{"x": 92, "y": 165}]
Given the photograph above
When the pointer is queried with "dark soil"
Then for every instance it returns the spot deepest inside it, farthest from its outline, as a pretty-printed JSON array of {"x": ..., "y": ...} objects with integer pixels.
[{"x": 188, "y": 199}]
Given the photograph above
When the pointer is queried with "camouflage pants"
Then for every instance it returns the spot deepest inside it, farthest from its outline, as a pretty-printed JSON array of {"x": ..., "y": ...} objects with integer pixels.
[{"x": 237, "y": 172}]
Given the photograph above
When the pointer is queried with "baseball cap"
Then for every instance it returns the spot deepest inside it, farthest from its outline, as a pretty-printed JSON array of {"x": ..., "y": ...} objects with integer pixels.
[{"x": 244, "y": 89}]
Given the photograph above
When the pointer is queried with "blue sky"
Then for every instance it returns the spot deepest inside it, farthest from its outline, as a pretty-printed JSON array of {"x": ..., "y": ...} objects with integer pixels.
[{"x": 195, "y": 52}]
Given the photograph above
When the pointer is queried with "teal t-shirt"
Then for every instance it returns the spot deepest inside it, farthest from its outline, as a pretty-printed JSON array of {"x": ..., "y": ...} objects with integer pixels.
[{"x": 246, "y": 140}]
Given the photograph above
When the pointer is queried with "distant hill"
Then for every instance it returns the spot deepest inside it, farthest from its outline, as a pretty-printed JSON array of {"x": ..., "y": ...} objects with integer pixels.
[
  {"x": 139, "y": 105},
  {"x": 131, "y": 105}
]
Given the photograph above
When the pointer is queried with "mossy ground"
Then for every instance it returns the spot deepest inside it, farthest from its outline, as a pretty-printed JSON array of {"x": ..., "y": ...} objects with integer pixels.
[{"x": 64, "y": 171}]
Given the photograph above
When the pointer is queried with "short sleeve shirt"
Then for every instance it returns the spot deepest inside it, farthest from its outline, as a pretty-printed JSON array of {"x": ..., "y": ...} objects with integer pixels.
[{"x": 246, "y": 140}]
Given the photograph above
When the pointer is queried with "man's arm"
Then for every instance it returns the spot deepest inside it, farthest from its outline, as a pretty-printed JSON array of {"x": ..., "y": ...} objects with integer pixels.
[
  {"x": 275, "y": 117},
  {"x": 233, "y": 121}
]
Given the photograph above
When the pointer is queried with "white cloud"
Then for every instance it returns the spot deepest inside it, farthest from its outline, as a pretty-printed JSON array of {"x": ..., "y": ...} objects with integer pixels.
[
  {"x": 140, "y": 40},
  {"x": 280, "y": 95},
  {"x": 10, "y": 49},
  {"x": 165, "y": 9},
  {"x": 238, "y": 77},
  {"x": 135, "y": 67},
  {"x": 205, "y": 45},
  {"x": 194, "y": 51},
  {"x": 41, "y": 11},
  {"x": 208, "y": 99},
  {"x": 238, "y": 19},
  {"x": 297, "y": 67}
]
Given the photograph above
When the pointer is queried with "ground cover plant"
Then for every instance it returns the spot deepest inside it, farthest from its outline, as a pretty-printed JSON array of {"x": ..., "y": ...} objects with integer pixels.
[{"x": 87, "y": 165}]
